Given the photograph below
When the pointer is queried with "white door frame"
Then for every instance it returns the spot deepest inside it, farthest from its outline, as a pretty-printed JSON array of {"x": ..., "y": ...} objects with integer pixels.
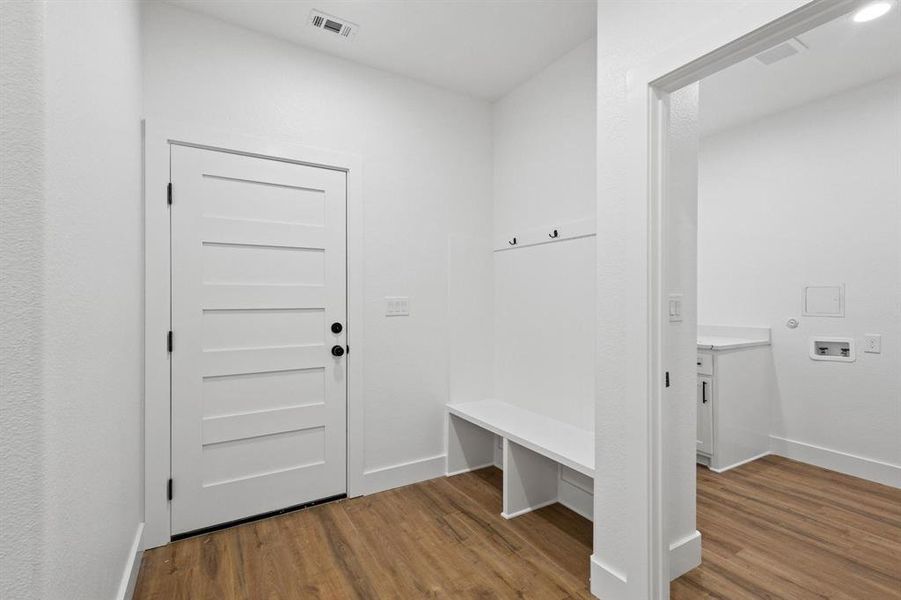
[
  {"x": 648, "y": 90},
  {"x": 157, "y": 293}
]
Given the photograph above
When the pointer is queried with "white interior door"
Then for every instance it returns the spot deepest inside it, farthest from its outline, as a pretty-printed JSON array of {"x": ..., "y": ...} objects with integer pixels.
[{"x": 258, "y": 279}]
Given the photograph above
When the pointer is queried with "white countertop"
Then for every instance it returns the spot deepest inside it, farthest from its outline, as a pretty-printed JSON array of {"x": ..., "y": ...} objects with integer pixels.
[
  {"x": 719, "y": 337},
  {"x": 722, "y": 342}
]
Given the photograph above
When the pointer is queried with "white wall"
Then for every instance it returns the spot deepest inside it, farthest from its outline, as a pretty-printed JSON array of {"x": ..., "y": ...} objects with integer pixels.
[
  {"x": 93, "y": 286},
  {"x": 544, "y": 175},
  {"x": 811, "y": 195},
  {"x": 76, "y": 231},
  {"x": 21, "y": 296},
  {"x": 630, "y": 35},
  {"x": 426, "y": 157},
  {"x": 680, "y": 339}
]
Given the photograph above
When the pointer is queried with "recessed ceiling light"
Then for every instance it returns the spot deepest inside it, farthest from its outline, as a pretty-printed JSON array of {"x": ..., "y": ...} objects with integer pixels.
[{"x": 872, "y": 11}]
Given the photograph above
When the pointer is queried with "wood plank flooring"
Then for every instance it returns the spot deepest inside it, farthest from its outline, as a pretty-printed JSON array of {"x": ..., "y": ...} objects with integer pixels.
[
  {"x": 772, "y": 529},
  {"x": 442, "y": 538},
  {"x": 776, "y": 528}
]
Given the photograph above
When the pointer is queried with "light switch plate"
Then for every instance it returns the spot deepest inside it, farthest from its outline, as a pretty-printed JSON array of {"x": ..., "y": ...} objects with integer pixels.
[
  {"x": 872, "y": 343},
  {"x": 674, "y": 308},
  {"x": 397, "y": 306}
]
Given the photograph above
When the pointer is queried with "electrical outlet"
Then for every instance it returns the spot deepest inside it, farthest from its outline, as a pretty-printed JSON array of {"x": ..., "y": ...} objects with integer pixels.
[
  {"x": 397, "y": 306},
  {"x": 872, "y": 343}
]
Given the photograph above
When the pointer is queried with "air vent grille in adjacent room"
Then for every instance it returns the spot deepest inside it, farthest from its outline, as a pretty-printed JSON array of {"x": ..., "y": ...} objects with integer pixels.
[
  {"x": 334, "y": 25},
  {"x": 781, "y": 51}
]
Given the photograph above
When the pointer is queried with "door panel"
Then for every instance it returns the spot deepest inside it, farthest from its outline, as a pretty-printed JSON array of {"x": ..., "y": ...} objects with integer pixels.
[
  {"x": 272, "y": 202},
  {"x": 230, "y": 394},
  {"x": 258, "y": 276}
]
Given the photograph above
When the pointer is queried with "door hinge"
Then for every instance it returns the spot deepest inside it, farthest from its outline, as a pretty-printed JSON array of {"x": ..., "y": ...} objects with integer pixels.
[
  {"x": 169, "y": 193},
  {"x": 667, "y": 379},
  {"x": 169, "y": 342},
  {"x": 169, "y": 489}
]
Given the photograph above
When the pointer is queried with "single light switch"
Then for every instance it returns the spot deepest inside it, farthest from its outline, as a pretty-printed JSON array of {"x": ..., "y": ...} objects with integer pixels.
[
  {"x": 397, "y": 306},
  {"x": 674, "y": 308}
]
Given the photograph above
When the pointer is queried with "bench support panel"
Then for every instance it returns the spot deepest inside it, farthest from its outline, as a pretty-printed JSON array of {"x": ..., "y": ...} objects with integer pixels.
[
  {"x": 469, "y": 447},
  {"x": 530, "y": 480}
]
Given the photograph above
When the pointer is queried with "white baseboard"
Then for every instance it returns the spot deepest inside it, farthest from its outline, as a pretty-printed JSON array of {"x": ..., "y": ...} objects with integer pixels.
[
  {"x": 132, "y": 566},
  {"x": 849, "y": 464},
  {"x": 606, "y": 582},
  {"x": 739, "y": 463},
  {"x": 386, "y": 478},
  {"x": 471, "y": 469},
  {"x": 528, "y": 510},
  {"x": 684, "y": 555}
]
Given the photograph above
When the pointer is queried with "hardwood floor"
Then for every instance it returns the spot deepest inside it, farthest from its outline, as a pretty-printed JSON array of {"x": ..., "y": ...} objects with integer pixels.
[
  {"x": 442, "y": 538},
  {"x": 777, "y": 528},
  {"x": 772, "y": 529}
]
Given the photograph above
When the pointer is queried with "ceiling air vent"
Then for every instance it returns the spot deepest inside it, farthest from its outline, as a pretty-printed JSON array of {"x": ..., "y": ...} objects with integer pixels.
[
  {"x": 782, "y": 51},
  {"x": 334, "y": 25}
]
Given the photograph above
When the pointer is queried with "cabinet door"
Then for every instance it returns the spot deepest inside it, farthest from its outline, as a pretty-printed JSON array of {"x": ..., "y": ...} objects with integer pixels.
[{"x": 705, "y": 415}]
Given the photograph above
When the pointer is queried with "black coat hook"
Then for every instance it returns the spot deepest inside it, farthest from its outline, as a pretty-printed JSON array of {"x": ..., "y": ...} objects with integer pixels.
[
  {"x": 553, "y": 235},
  {"x": 512, "y": 242}
]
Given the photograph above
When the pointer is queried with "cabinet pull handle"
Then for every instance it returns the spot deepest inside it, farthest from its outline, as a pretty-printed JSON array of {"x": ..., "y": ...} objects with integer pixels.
[{"x": 703, "y": 392}]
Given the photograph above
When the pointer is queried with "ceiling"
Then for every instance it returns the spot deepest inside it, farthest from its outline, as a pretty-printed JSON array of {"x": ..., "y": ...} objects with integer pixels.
[
  {"x": 841, "y": 55},
  {"x": 483, "y": 48}
]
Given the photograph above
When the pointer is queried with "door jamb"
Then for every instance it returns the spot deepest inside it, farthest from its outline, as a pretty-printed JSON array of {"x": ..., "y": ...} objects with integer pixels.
[
  {"x": 158, "y": 136},
  {"x": 648, "y": 90}
]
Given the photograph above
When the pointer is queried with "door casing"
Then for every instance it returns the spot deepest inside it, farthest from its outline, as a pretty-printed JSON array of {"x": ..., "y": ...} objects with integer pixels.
[{"x": 158, "y": 137}]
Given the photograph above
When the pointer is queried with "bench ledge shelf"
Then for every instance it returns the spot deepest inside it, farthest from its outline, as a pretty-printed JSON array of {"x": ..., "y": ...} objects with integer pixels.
[{"x": 534, "y": 447}]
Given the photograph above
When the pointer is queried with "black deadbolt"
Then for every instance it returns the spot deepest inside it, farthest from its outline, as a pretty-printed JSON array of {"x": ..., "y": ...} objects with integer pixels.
[
  {"x": 337, "y": 350},
  {"x": 337, "y": 328}
]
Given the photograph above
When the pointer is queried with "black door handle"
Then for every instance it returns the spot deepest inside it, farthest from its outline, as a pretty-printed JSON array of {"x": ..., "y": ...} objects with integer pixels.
[
  {"x": 337, "y": 328},
  {"x": 703, "y": 392},
  {"x": 337, "y": 351}
]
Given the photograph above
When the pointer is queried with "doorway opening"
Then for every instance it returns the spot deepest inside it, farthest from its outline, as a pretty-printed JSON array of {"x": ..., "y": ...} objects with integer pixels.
[{"x": 777, "y": 269}]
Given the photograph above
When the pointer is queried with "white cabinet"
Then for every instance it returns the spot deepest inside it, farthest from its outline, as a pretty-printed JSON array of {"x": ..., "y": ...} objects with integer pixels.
[
  {"x": 705, "y": 415},
  {"x": 735, "y": 384}
]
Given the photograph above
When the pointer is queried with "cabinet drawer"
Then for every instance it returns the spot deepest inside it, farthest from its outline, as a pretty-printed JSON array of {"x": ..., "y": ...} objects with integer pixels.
[{"x": 705, "y": 363}]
